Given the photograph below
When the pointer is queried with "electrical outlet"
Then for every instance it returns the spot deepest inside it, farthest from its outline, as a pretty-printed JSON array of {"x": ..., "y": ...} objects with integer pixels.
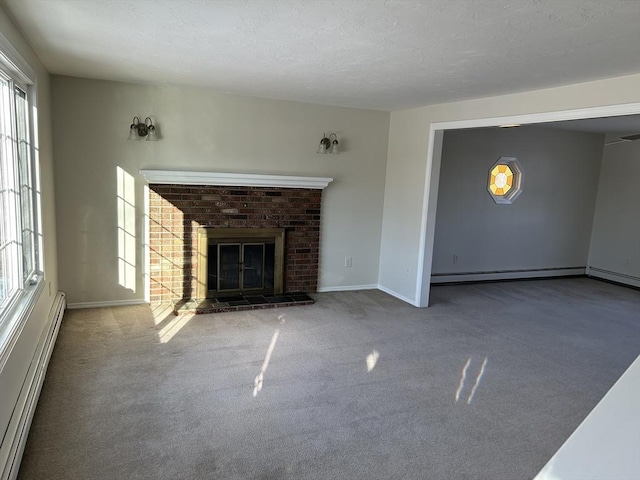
[
  {"x": 347, "y": 262},
  {"x": 455, "y": 258}
]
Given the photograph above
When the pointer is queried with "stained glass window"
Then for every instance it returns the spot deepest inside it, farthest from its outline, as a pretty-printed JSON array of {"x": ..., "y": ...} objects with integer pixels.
[{"x": 505, "y": 180}]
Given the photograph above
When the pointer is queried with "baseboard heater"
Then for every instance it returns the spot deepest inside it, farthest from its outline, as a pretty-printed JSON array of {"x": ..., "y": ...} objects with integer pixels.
[
  {"x": 622, "y": 278},
  {"x": 463, "y": 277},
  {"x": 33, "y": 383}
]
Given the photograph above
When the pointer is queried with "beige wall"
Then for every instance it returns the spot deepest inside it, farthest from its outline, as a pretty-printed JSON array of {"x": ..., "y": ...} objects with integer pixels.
[
  {"x": 14, "y": 372},
  {"x": 203, "y": 130},
  {"x": 615, "y": 241},
  {"x": 406, "y": 182}
]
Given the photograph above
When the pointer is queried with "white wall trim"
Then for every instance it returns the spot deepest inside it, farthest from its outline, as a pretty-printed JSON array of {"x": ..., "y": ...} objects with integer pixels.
[
  {"x": 146, "y": 249},
  {"x": 434, "y": 152},
  {"x": 17, "y": 63},
  {"x": 372, "y": 286},
  {"x": 112, "y": 303},
  {"x": 623, "y": 278},
  {"x": 19, "y": 312},
  {"x": 544, "y": 117},
  {"x": 185, "y": 177},
  {"x": 26, "y": 406},
  {"x": 397, "y": 295},
  {"x": 427, "y": 235},
  {"x": 347, "y": 288},
  {"x": 443, "y": 278}
]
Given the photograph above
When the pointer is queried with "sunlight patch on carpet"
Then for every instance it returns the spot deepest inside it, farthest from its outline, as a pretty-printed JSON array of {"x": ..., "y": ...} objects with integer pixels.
[
  {"x": 267, "y": 358},
  {"x": 173, "y": 327},
  {"x": 372, "y": 359}
]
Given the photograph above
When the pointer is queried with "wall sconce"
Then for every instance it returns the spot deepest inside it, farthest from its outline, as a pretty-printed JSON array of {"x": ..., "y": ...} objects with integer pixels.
[
  {"x": 137, "y": 130},
  {"x": 327, "y": 145}
]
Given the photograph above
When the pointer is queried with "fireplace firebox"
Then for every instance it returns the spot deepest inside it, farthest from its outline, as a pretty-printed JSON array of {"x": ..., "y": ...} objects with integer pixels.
[{"x": 240, "y": 261}]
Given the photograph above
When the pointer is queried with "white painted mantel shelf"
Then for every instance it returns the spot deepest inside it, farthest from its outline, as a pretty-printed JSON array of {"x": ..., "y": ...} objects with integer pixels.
[{"x": 185, "y": 177}]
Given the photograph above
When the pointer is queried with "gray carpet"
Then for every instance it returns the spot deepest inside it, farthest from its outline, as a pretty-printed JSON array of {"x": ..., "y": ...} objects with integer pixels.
[{"x": 485, "y": 384}]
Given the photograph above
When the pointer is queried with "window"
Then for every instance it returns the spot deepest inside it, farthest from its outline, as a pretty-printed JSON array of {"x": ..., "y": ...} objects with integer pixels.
[
  {"x": 20, "y": 251},
  {"x": 501, "y": 180},
  {"x": 505, "y": 180}
]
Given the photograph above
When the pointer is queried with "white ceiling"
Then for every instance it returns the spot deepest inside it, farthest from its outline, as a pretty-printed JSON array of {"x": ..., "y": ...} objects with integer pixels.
[{"x": 373, "y": 54}]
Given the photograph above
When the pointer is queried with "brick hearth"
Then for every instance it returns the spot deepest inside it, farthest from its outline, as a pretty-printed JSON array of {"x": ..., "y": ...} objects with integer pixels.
[{"x": 177, "y": 211}]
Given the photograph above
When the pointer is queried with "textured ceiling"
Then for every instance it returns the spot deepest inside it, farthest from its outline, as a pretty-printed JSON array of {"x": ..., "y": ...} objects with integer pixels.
[{"x": 374, "y": 54}]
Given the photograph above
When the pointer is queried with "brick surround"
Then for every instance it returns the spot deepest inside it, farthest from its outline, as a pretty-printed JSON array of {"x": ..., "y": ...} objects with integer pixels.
[{"x": 177, "y": 211}]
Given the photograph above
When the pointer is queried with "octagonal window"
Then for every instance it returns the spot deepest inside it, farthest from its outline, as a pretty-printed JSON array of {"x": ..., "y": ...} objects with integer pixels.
[{"x": 505, "y": 180}]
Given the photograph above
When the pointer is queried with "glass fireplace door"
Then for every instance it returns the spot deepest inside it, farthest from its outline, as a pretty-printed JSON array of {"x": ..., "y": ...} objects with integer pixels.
[
  {"x": 229, "y": 266},
  {"x": 240, "y": 266},
  {"x": 253, "y": 266}
]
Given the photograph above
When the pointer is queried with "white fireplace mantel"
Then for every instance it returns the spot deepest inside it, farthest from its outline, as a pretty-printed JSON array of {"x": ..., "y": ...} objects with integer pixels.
[{"x": 185, "y": 177}]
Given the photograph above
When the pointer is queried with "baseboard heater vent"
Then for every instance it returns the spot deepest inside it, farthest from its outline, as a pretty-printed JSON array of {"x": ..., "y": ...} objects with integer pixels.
[
  {"x": 463, "y": 277},
  {"x": 621, "y": 278},
  {"x": 26, "y": 405}
]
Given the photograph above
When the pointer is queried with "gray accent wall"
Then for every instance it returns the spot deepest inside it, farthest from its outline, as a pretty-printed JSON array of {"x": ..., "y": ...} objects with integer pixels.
[{"x": 549, "y": 224}]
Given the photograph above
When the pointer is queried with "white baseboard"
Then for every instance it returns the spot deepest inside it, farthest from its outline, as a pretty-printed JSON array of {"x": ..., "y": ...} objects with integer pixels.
[
  {"x": 372, "y": 286},
  {"x": 623, "y": 278},
  {"x": 26, "y": 405},
  {"x": 397, "y": 295},
  {"x": 438, "y": 278},
  {"x": 347, "y": 288},
  {"x": 112, "y": 303}
]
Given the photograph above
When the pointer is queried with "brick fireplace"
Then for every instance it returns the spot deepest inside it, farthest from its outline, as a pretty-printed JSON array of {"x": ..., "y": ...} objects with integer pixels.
[{"x": 178, "y": 211}]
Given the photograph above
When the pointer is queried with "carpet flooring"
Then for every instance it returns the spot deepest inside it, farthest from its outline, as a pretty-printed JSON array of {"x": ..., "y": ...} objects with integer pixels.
[{"x": 487, "y": 383}]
